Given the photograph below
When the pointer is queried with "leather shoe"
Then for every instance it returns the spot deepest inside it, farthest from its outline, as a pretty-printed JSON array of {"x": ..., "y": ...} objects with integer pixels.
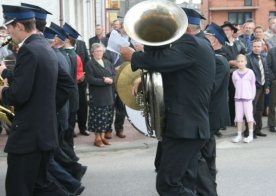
[
  {"x": 105, "y": 142},
  {"x": 81, "y": 173},
  {"x": 79, "y": 190},
  {"x": 120, "y": 134},
  {"x": 99, "y": 143},
  {"x": 260, "y": 134},
  {"x": 107, "y": 135},
  {"x": 85, "y": 133},
  {"x": 218, "y": 134},
  {"x": 272, "y": 129}
]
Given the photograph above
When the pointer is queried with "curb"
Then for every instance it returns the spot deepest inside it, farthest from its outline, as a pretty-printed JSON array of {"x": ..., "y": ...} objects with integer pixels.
[
  {"x": 117, "y": 146},
  {"x": 82, "y": 149}
]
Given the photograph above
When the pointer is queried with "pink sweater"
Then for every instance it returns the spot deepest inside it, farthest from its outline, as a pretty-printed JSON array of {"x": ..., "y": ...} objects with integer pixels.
[{"x": 245, "y": 86}]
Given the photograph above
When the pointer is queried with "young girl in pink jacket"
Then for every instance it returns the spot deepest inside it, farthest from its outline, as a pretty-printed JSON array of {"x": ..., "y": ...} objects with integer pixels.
[{"x": 244, "y": 82}]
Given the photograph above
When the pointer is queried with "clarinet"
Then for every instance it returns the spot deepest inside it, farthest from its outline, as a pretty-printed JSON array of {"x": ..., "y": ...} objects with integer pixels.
[{"x": 6, "y": 42}]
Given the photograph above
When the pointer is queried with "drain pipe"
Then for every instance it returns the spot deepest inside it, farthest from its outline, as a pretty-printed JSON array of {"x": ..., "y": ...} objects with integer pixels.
[{"x": 61, "y": 12}]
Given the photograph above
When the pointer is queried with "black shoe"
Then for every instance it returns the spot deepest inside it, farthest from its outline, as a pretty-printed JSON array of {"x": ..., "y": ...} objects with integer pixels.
[
  {"x": 218, "y": 134},
  {"x": 85, "y": 133},
  {"x": 259, "y": 133},
  {"x": 79, "y": 190},
  {"x": 81, "y": 173},
  {"x": 120, "y": 134},
  {"x": 272, "y": 129}
]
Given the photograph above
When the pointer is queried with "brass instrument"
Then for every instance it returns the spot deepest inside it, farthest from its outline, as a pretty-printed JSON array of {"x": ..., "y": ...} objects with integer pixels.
[
  {"x": 124, "y": 83},
  {"x": 6, "y": 113},
  {"x": 155, "y": 23},
  {"x": 6, "y": 42},
  {"x": 152, "y": 23}
]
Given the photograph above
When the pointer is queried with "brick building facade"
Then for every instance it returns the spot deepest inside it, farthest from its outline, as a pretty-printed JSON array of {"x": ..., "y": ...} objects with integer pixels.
[{"x": 238, "y": 11}]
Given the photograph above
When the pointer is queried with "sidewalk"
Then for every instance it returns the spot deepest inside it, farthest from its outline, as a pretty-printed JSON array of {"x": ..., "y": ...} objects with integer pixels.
[{"x": 134, "y": 139}]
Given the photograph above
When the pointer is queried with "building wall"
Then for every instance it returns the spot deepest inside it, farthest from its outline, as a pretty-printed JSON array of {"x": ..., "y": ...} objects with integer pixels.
[
  {"x": 100, "y": 13},
  {"x": 50, "y": 5},
  {"x": 230, "y": 3},
  {"x": 260, "y": 10},
  {"x": 78, "y": 13},
  {"x": 218, "y": 17}
]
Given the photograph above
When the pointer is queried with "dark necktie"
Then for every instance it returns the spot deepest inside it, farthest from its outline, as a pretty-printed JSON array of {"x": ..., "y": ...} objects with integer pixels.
[
  {"x": 248, "y": 43},
  {"x": 261, "y": 67}
]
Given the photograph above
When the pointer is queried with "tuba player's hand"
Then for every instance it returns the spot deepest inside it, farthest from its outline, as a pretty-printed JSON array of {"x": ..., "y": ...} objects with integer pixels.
[
  {"x": 126, "y": 53},
  {"x": 2, "y": 67},
  {"x": 135, "y": 87}
]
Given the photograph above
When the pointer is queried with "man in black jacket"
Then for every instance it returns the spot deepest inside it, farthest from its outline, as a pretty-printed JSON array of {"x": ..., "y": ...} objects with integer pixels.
[
  {"x": 82, "y": 87},
  {"x": 258, "y": 64},
  {"x": 218, "y": 114},
  {"x": 33, "y": 135},
  {"x": 98, "y": 38},
  {"x": 188, "y": 72},
  {"x": 271, "y": 62},
  {"x": 247, "y": 37}
]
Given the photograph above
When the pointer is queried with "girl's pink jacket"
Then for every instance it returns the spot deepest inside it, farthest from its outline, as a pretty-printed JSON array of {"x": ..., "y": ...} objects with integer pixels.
[{"x": 245, "y": 86}]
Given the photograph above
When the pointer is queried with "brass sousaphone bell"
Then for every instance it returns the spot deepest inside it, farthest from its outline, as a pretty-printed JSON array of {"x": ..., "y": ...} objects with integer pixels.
[
  {"x": 152, "y": 23},
  {"x": 6, "y": 114},
  {"x": 123, "y": 84}
]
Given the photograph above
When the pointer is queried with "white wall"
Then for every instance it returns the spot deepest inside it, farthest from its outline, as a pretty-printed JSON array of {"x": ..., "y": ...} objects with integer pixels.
[
  {"x": 50, "y": 5},
  {"x": 80, "y": 14}
]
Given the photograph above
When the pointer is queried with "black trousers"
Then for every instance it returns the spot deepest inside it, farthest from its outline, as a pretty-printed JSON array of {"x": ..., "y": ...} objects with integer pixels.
[
  {"x": 69, "y": 164},
  {"x": 63, "y": 178},
  {"x": 231, "y": 100},
  {"x": 82, "y": 112},
  {"x": 206, "y": 178},
  {"x": 69, "y": 133},
  {"x": 272, "y": 104},
  {"x": 258, "y": 108},
  {"x": 64, "y": 147},
  {"x": 178, "y": 168},
  {"x": 27, "y": 173},
  {"x": 158, "y": 156},
  {"x": 120, "y": 114}
]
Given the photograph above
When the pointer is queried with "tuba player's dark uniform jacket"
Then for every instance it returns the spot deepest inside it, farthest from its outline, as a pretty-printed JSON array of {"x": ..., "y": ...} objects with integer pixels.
[
  {"x": 188, "y": 73},
  {"x": 33, "y": 94},
  {"x": 219, "y": 112}
]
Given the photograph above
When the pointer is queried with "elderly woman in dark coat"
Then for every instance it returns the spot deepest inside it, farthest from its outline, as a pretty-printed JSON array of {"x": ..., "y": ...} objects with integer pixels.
[{"x": 100, "y": 77}]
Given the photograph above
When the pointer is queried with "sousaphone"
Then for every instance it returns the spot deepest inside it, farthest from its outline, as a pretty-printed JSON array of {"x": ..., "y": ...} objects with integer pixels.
[{"x": 152, "y": 23}]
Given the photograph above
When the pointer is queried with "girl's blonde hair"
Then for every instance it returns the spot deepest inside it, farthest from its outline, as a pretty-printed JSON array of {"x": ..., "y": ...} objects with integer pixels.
[{"x": 242, "y": 56}]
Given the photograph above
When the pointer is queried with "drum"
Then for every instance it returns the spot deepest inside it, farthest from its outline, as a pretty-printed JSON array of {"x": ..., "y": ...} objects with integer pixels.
[{"x": 137, "y": 120}]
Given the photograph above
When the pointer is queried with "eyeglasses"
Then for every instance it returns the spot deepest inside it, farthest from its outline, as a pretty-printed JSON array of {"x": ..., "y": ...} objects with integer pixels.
[{"x": 98, "y": 50}]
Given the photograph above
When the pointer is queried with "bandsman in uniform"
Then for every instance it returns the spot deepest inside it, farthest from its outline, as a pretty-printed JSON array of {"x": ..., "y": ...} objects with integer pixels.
[
  {"x": 33, "y": 134},
  {"x": 188, "y": 73}
]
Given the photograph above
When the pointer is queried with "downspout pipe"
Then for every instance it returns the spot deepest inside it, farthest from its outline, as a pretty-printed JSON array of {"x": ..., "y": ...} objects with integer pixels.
[{"x": 61, "y": 12}]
